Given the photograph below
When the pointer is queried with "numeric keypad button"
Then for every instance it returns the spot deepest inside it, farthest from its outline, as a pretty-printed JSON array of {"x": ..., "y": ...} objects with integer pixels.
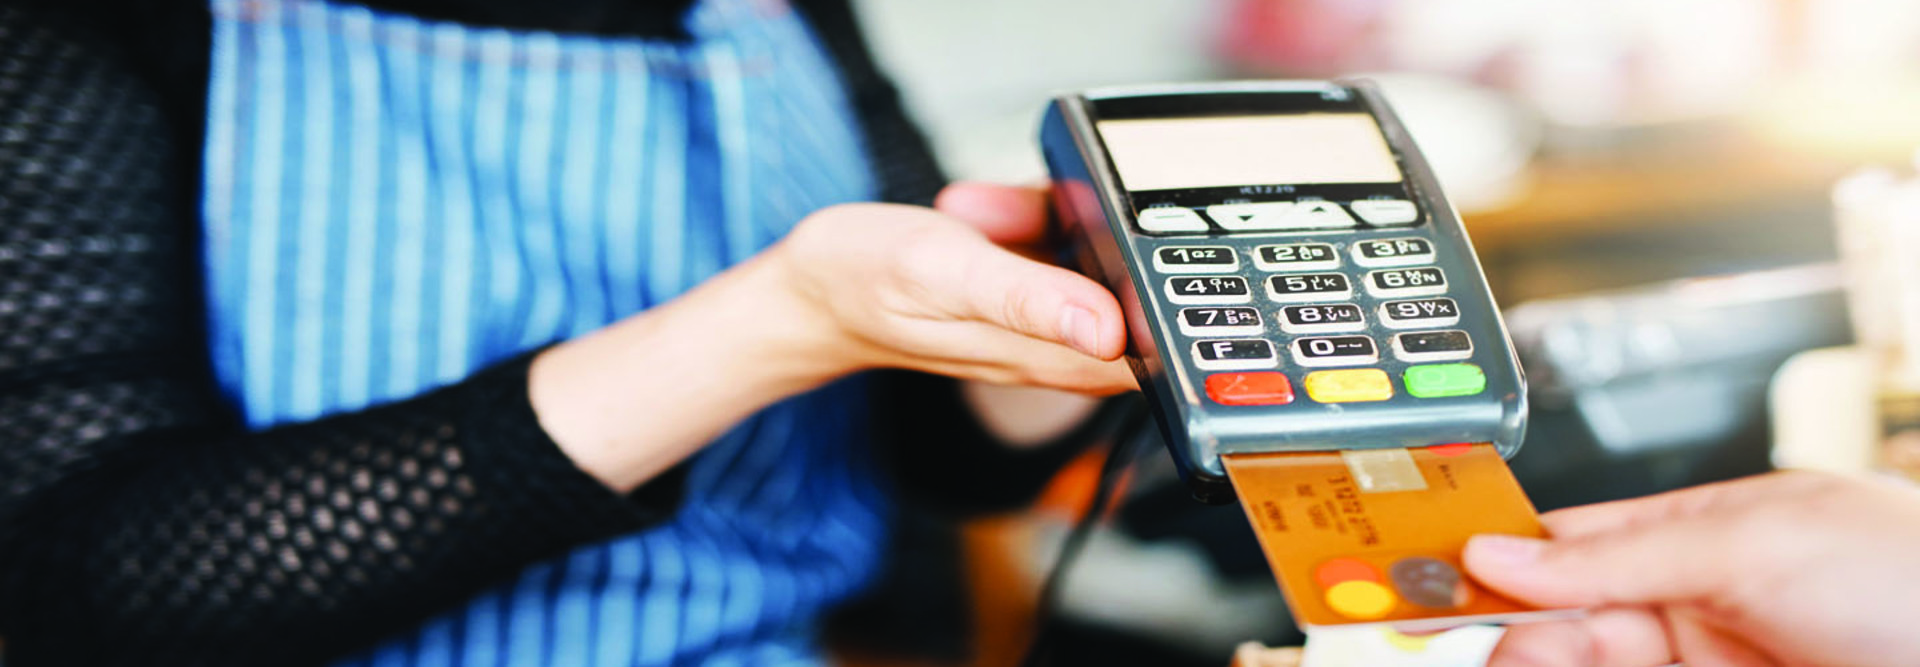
[
  {"x": 1335, "y": 351},
  {"x": 1322, "y": 318},
  {"x": 1420, "y": 313},
  {"x": 1296, "y": 257},
  {"x": 1221, "y": 321},
  {"x": 1382, "y": 253},
  {"x": 1393, "y": 283},
  {"x": 1208, "y": 290},
  {"x": 1303, "y": 287},
  {"x": 1171, "y": 220},
  {"x": 1423, "y": 346},
  {"x": 1196, "y": 259},
  {"x": 1234, "y": 355}
]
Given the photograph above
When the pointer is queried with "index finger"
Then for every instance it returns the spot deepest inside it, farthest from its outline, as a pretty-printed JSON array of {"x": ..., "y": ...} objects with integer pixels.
[
  {"x": 1575, "y": 522},
  {"x": 1007, "y": 214}
]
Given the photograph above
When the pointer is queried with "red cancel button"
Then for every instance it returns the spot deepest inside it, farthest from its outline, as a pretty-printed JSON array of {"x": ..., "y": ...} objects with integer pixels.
[{"x": 1261, "y": 388}]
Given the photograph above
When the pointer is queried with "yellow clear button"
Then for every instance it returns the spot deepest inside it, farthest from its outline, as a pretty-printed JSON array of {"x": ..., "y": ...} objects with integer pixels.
[{"x": 1351, "y": 385}]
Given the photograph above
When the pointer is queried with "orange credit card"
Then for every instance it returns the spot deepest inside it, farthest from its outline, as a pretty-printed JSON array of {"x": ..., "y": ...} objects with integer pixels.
[{"x": 1374, "y": 535}]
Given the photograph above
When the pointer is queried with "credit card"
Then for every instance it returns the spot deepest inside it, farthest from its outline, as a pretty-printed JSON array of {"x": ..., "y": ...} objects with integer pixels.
[{"x": 1374, "y": 536}]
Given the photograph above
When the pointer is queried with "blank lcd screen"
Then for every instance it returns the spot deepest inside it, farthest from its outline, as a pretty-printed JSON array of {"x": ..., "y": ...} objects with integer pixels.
[{"x": 1223, "y": 151}]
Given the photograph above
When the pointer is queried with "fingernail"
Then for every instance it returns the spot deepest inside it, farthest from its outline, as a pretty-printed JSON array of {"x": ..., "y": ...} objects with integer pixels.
[
  {"x": 1077, "y": 327},
  {"x": 1505, "y": 549}
]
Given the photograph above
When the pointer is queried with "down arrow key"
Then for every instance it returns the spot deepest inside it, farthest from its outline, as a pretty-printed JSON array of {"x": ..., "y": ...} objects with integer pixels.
[{"x": 1253, "y": 216}]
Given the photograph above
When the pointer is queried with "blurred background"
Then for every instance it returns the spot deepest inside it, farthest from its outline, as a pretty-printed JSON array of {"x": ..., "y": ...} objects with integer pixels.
[{"x": 1651, "y": 185}]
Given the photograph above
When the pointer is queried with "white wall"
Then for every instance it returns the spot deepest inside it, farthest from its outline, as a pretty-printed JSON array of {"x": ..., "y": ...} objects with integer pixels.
[{"x": 977, "y": 73}]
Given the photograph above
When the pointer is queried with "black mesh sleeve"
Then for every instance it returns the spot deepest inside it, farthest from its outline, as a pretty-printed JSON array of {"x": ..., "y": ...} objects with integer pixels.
[{"x": 138, "y": 525}]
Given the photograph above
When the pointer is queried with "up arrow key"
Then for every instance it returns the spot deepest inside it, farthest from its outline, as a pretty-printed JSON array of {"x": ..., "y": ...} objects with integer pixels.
[{"x": 1317, "y": 215}]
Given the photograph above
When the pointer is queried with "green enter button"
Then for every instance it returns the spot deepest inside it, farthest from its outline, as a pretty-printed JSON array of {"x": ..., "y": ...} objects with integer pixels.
[{"x": 1441, "y": 380}]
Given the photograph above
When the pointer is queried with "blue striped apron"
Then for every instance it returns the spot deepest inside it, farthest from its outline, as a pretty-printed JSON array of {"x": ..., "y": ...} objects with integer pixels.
[{"x": 392, "y": 204}]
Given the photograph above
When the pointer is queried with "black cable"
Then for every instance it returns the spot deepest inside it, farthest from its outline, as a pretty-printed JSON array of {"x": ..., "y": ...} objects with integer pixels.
[{"x": 1125, "y": 439}]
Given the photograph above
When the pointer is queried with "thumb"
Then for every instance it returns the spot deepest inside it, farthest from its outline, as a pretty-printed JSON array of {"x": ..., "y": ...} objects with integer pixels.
[{"x": 1670, "y": 561}]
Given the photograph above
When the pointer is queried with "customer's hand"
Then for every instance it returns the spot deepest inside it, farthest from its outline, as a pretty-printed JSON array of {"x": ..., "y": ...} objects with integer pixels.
[
  {"x": 1787, "y": 568},
  {"x": 945, "y": 291}
]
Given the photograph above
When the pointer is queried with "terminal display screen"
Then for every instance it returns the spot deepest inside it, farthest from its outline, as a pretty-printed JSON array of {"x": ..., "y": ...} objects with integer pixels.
[{"x": 1221, "y": 151}]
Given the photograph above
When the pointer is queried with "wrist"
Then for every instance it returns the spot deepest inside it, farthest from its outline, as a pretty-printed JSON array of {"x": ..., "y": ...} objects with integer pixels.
[
  {"x": 787, "y": 337},
  {"x": 629, "y": 401}
]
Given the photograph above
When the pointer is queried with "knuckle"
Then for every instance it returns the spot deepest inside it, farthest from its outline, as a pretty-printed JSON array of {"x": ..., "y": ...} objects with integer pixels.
[
  {"x": 919, "y": 267},
  {"x": 922, "y": 254},
  {"x": 1016, "y": 310}
]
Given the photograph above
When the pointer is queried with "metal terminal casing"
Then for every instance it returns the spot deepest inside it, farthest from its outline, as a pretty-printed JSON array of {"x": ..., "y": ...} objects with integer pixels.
[{"x": 1100, "y": 217}]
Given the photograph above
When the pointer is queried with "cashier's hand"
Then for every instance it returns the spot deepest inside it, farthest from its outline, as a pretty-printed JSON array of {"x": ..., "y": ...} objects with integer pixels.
[
  {"x": 952, "y": 290},
  {"x": 1786, "y": 568}
]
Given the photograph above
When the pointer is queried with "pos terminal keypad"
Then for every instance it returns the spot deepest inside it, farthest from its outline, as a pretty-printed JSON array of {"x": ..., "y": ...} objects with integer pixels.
[{"x": 1338, "y": 310}]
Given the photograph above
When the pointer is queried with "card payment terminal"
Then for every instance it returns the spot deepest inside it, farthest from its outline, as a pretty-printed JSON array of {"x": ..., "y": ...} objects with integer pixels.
[{"x": 1292, "y": 277}]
